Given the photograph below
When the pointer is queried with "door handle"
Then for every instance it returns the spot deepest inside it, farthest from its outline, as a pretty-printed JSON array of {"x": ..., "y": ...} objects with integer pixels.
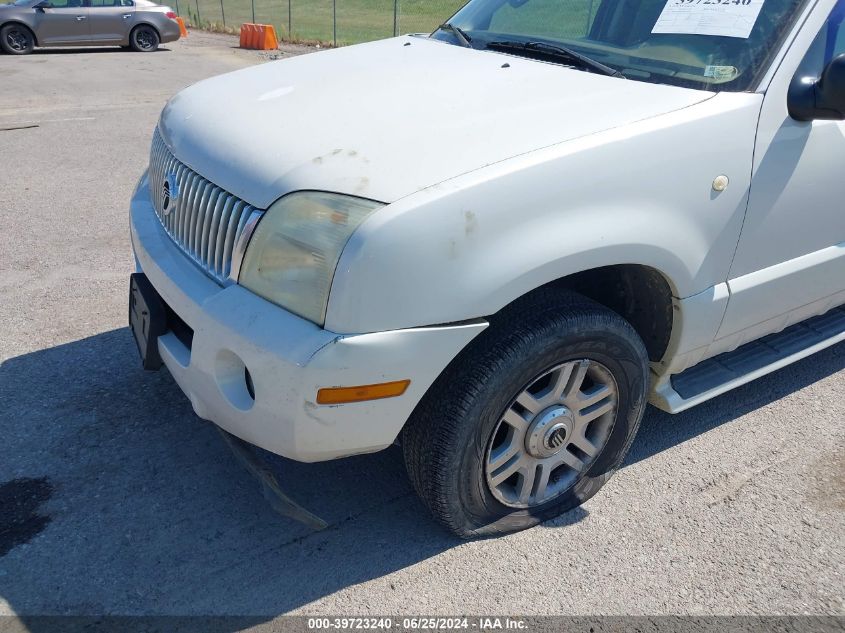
[
  {"x": 79, "y": 18},
  {"x": 126, "y": 16}
]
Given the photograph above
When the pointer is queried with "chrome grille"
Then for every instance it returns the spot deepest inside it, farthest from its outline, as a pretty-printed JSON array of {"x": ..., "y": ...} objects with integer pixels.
[{"x": 209, "y": 224}]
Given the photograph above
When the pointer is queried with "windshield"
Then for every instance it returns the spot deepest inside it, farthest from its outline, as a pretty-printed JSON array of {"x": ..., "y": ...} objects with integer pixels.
[{"x": 706, "y": 44}]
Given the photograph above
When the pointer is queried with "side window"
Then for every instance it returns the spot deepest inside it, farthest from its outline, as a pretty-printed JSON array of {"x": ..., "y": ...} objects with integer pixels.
[
  {"x": 94, "y": 4},
  {"x": 829, "y": 43},
  {"x": 59, "y": 4}
]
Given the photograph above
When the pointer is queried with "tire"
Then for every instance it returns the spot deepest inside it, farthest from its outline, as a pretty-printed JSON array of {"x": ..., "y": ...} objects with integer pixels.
[
  {"x": 144, "y": 39},
  {"x": 16, "y": 39},
  {"x": 458, "y": 435}
]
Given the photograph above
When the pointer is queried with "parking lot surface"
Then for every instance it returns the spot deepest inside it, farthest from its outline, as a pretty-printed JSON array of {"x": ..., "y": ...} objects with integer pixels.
[{"x": 118, "y": 500}]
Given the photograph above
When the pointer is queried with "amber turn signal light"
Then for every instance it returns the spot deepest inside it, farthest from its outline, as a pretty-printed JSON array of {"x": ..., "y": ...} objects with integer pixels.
[{"x": 342, "y": 395}]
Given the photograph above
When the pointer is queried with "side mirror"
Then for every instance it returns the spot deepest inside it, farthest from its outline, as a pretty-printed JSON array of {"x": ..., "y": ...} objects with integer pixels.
[{"x": 819, "y": 99}]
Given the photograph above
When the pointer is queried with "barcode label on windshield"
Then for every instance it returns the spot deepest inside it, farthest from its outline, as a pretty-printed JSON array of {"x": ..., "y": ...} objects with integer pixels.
[{"x": 725, "y": 18}]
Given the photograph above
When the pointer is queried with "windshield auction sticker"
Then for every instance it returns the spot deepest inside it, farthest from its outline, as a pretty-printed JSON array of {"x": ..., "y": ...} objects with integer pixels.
[{"x": 726, "y": 18}]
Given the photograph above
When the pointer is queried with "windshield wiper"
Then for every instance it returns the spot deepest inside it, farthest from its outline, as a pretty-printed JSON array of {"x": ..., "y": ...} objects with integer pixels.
[
  {"x": 458, "y": 32},
  {"x": 559, "y": 52}
]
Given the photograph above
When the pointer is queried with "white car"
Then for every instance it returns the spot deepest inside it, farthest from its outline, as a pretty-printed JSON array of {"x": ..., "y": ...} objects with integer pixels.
[{"x": 495, "y": 243}]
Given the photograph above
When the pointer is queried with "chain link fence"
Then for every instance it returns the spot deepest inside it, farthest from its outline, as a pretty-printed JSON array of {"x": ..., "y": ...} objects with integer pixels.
[{"x": 337, "y": 22}]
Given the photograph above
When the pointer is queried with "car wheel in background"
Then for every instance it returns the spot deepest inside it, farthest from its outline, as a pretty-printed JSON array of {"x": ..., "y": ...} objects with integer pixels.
[
  {"x": 531, "y": 419},
  {"x": 144, "y": 39},
  {"x": 16, "y": 39}
]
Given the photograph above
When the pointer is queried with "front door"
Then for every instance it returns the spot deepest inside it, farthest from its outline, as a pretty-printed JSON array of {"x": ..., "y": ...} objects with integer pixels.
[
  {"x": 110, "y": 20},
  {"x": 63, "y": 22},
  {"x": 790, "y": 261}
]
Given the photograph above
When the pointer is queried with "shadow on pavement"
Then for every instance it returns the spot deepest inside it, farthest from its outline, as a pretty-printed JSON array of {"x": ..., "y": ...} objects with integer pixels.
[
  {"x": 74, "y": 50},
  {"x": 149, "y": 513},
  {"x": 661, "y": 431}
]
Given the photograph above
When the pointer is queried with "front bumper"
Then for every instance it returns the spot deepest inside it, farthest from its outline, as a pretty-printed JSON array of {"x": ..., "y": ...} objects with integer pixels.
[{"x": 288, "y": 358}]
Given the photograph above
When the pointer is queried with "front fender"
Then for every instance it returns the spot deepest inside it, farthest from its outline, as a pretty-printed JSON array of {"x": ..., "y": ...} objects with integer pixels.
[{"x": 641, "y": 194}]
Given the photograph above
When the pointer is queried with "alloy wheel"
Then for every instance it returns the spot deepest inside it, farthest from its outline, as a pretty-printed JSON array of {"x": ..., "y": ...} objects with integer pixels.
[
  {"x": 145, "y": 39},
  {"x": 17, "y": 40},
  {"x": 551, "y": 433}
]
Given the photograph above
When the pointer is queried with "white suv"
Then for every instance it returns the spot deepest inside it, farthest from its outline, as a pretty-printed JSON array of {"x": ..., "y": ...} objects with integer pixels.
[{"x": 493, "y": 244}]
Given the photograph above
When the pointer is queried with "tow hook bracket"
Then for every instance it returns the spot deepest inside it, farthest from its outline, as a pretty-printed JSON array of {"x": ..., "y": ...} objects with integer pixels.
[{"x": 277, "y": 499}]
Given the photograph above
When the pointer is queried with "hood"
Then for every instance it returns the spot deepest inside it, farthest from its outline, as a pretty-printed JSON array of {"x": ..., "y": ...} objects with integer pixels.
[{"x": 386, "y": 119}]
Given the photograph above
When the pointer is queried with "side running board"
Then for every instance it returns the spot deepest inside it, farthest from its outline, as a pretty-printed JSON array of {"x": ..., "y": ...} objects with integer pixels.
[{"x": 713, "y": 377}]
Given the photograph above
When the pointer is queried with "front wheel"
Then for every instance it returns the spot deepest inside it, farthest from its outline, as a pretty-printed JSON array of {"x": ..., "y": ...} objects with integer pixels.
[
  {"x": 16, "y": 39},
  {"x": 144, "y": 39},
  {"x": 531, "y": 419}
]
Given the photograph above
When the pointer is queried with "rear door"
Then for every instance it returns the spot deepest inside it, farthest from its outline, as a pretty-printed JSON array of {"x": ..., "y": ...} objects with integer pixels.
[
  {"x": 63, "y": 22},
  {"x": 111, "y": 20}
]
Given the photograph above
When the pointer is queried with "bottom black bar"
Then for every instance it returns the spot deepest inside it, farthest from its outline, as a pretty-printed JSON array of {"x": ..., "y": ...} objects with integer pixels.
[{"x": 307, "y": 624}]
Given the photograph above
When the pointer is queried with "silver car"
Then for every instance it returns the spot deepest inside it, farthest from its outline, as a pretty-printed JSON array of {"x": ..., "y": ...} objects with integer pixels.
[{"x": 137, "y": 24}]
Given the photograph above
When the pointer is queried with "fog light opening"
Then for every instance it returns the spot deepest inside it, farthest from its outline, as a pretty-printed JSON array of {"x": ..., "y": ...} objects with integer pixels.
[{"x": 234, "y": 380}]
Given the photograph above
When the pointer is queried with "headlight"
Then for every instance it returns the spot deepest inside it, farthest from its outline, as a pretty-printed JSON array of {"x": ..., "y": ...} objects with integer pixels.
[{"x": 295, "y": 248}]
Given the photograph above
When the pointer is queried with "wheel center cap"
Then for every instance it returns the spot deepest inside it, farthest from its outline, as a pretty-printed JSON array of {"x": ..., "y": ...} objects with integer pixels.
[{"x": 549, "y": 432}]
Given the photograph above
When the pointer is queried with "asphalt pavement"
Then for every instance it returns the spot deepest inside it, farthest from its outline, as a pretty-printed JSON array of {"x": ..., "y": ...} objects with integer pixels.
[{"x": 118, "y": 500}]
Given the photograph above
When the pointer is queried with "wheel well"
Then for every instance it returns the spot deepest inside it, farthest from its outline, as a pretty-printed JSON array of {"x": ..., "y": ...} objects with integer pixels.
[
  {"x": 640, "y": 294},
  {"x": 152, "y": 26},
  {"x": 26, "y": 26}
]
